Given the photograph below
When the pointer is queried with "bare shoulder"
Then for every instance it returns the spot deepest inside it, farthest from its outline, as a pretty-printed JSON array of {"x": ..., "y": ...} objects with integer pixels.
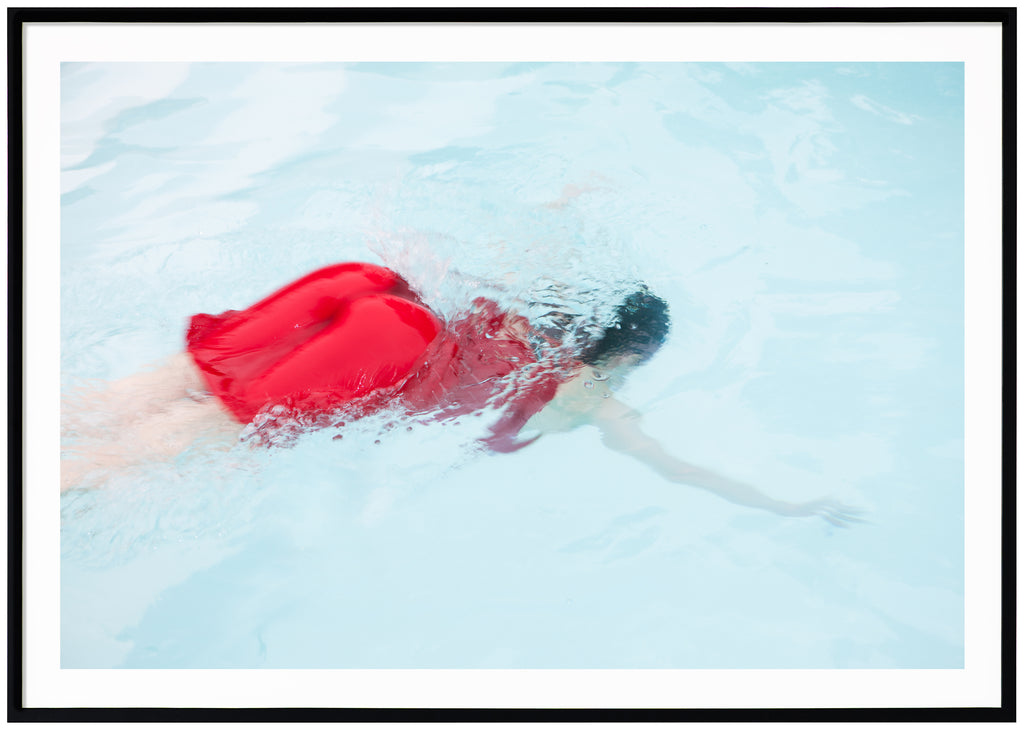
[{"x": 581, "y": 400}]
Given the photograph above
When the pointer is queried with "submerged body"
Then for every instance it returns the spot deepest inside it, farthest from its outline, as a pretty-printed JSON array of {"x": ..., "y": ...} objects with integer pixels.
[{"x": 351, "y": 339}]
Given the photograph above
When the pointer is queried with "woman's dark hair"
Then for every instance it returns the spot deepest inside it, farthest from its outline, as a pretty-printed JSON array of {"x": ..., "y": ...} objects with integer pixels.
[{"x": 640, "y": 328}]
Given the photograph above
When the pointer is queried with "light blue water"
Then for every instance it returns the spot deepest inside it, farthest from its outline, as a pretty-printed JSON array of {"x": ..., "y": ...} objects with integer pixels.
[{"x": 805, "y": 223}]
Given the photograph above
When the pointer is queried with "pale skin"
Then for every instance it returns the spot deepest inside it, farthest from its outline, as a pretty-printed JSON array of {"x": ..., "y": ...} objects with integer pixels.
[
  {"x": 157, "y": 414},
  {"x": 587, "y": 399},
  {"x": 150, "y": 416}
]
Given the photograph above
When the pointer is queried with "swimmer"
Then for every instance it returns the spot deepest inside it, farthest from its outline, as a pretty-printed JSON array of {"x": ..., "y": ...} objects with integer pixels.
[{"x": 350, "y": 339}]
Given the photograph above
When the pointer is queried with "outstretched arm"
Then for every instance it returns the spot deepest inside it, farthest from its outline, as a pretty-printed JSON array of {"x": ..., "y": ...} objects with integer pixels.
[{"x": 620, "y": 431}]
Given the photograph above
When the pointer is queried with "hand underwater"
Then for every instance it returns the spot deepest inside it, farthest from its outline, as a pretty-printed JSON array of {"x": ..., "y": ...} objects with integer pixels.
[{"x": 831, "y": 510}]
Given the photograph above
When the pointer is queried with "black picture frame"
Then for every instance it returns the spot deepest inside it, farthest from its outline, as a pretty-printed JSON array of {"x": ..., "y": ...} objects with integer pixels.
[{"x": 18, "y": 18}]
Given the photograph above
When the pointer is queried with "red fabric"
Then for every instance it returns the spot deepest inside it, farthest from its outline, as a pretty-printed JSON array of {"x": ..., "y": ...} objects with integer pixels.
[
  {"x": 330, "y": 337},
  {"x": 481, "y": 361},
  {"x": 356, "y": 333}
]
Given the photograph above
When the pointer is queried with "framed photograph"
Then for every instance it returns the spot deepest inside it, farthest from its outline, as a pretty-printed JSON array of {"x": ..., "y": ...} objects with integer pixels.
[{"x": 449, "y": 364}]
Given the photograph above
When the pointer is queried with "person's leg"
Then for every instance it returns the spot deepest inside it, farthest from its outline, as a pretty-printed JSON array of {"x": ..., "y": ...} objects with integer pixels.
[
  {"x": 159, "y": 436},
  {"x": 151, "y": 415},
  {"x": 93, "y": 410}
]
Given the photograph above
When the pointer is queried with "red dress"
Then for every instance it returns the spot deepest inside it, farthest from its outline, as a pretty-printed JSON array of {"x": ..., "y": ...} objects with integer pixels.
[{"x": 356, "y": 335}]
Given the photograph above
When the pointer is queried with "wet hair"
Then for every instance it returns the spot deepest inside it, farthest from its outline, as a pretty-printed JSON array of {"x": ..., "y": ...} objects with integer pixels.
[{"x": 640, "y": 327}]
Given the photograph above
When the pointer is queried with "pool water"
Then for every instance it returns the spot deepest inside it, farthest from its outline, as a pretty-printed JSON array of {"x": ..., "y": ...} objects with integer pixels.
[{"x": 805, "y": 224}]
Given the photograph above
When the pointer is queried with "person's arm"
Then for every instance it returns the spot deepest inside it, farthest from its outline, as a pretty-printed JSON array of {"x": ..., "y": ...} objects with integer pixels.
[{"x": 620, "y": 430}]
